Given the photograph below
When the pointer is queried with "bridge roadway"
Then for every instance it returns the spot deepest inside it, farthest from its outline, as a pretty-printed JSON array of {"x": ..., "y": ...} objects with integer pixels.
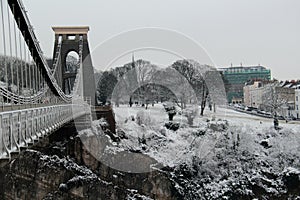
[{"x": 23, "y": 127}]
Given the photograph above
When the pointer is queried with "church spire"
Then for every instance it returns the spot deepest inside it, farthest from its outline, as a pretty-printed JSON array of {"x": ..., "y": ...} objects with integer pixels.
[{"x": 133, "y": 62}]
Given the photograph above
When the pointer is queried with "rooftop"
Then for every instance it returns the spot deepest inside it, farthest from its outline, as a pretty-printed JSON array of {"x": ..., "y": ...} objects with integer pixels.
[
  {"x": 242, "y": 68},
  {"x": 68, "y": 30},
  {"x": 290, "y": 84}
]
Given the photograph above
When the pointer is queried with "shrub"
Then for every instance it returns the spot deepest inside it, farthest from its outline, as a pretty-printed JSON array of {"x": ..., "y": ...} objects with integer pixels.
[{"x": 144, "y": 118}]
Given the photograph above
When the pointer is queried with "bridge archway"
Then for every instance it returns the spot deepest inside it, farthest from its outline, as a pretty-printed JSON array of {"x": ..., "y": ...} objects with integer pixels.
[{"x": 70, "y": 70}]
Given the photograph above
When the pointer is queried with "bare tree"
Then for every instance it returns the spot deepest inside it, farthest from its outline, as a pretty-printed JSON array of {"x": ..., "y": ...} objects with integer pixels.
[
  {"x": 273, "y": 99},
  {"x": 139, "y": 81},
  {"x": 144, "y": 72},
  {"x": 124, "y": 87},
  {"x": 133, "y": 77},
  {"x": 178, "y": 84},
  {"x": 194, "y": 74}
]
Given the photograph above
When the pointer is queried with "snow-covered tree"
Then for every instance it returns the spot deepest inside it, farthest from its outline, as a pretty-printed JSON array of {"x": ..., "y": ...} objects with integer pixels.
[
  {"x": 170, "y": 109},
  {"x": 190, "y": 113}
]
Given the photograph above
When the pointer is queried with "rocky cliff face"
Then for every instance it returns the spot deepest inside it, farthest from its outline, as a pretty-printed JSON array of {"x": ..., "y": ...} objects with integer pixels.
[
  {"x": 37, "y": 176},
  {"x": 154, "y": 184},
  {"x": 66, "y": 170}
]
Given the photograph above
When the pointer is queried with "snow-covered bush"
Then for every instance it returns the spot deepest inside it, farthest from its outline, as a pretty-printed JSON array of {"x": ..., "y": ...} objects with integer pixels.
[
  {"x": 103, "y": 122},
  {"x": 190, "y": 113},
  {"x": 170, "y": 109},
  {"x": 144, "y": 118},
  {"x": 172, "y": 126},
  {"x": 130, "y": 118},
  {"x": 218, "y": 126}
]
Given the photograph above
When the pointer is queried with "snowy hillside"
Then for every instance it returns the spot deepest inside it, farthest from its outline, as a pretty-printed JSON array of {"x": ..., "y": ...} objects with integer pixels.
[{"x": 226, "y": 154}]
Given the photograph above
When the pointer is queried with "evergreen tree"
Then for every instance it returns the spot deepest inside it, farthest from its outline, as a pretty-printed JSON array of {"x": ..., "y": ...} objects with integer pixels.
[{"x": 105, "y": 87}]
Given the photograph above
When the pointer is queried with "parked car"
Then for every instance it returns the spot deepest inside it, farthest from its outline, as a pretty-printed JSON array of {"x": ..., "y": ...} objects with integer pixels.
[
  {"x": 259, "y": 111},
  {"x": 248, "y": 108},
  {"x": 265, "y": 113},
  {"x": 290, "y": 118},
  {"x": 280, "y": 117}
]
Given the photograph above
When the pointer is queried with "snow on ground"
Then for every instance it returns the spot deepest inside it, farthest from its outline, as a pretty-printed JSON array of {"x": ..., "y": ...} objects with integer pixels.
[
  {"x": 172, "y": 148},
  {"x": 223, "y": 154},
  {"x": 159, "y": 115},
  {"x": 159, "y": 118}
]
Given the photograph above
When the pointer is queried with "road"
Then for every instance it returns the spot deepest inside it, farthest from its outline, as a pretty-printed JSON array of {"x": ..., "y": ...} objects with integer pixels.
[{"x": 234, "y": 117}]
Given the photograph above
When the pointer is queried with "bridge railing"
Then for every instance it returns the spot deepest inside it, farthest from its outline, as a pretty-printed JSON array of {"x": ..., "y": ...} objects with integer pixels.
[{"x": 24, "y": 127}]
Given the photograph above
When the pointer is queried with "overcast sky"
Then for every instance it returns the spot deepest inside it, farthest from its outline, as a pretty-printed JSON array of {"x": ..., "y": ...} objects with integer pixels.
[{"x": 265, "y": 32}]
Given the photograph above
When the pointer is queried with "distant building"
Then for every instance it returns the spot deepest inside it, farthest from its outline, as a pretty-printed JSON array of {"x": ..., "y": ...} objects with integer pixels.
[
  {"x": 288, "y": 93},
  {"x": 253, "y": 92},
  {"x": 236, "y": 77},
  {"x": 296, "y": 86},
  {"x": 237, "y": 100},
  {"x": 285, "y": 94},
  {"x": 297, "y": 103}
]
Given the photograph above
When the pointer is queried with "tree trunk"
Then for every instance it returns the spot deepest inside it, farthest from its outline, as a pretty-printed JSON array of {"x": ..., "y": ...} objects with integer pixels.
[
  {"x": 190, "y": 121},
  {"x": 171, "y": 117},
  {"x": 276, "y": 122},
  {"x": 203, "y": 101}
]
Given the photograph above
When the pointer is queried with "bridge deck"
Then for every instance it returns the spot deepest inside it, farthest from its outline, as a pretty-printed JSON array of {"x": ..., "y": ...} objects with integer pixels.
[{"x": 21, "y": 128}]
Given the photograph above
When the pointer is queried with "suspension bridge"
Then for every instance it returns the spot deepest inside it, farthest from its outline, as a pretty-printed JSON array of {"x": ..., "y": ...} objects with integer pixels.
[{"x": 38, "y": 97}]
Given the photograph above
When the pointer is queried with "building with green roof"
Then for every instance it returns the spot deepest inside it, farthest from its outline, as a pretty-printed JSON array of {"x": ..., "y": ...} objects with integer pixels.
[{"x": 236, "y": 77}]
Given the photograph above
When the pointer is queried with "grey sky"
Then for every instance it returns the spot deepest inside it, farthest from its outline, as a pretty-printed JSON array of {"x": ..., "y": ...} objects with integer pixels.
[{"x": 231, "y": 31}]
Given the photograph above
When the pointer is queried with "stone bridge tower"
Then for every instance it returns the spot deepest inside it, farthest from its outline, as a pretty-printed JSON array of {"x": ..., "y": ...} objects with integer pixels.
[{"x": 67, "y": 39}]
